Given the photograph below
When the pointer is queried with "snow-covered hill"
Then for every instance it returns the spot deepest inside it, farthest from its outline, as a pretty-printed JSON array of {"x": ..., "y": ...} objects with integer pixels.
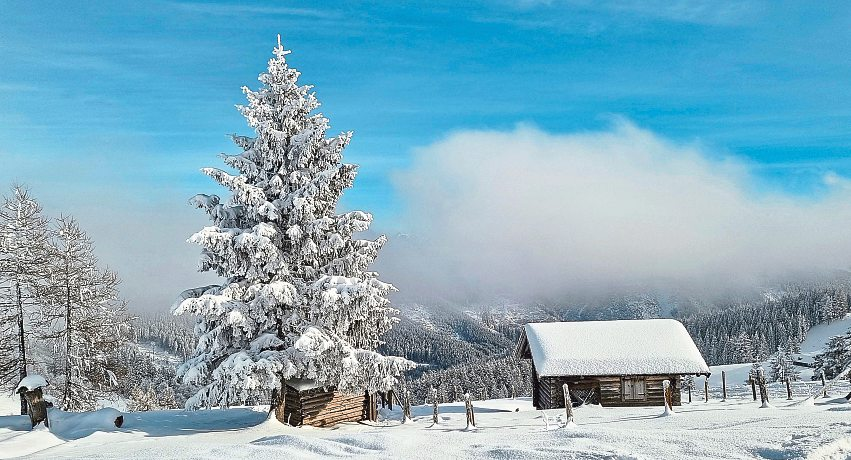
[
  {"x": 817, "y": 336},
  {"x": 507, "y": 429}
]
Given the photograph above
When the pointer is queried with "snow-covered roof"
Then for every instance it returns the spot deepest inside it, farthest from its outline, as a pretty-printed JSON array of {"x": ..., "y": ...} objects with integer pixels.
[
  {"x": 30, "y": 383},
  {"x": 630, "y": 347},
  {"x": 303, "y": 384}
]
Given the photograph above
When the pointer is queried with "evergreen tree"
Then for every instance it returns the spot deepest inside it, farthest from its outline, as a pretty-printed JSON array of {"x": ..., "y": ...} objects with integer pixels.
[
  {"x": 783, "y": 367},
  {"x": 143, "y": 398},
  {"x": 84, "y": 316},
  {"x": 298, "y": 300},
  {"x": 835, "y": 357},
  {"x": 755, "y": 371},
  {"x": 744, "y": 348},
  {"x": 167, "y": 398},
  {"x": 23, "y": 265},
  {"x": 687, "y": 384}
]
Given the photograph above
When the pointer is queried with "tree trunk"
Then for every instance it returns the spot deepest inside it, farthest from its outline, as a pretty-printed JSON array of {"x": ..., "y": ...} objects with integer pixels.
[
  {"x": 66, "y": 394},
  {"x": 22, "y": 348},
  {"x": 723, "y": 385}
]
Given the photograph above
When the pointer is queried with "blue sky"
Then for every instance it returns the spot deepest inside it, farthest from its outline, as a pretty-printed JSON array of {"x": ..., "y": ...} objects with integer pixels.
[{"x": 118, "y": 104}]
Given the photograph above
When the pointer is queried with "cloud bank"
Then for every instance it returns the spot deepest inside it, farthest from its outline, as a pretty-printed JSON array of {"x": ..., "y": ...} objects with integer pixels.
[{"x": 529, "y": 214}]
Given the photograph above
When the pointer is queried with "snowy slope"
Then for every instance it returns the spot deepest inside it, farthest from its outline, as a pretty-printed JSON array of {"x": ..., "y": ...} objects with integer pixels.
[
  {"x": 818, "y": 336},
  {"x": 737, "y": 374},
  {"x": 507, "y": 429}
]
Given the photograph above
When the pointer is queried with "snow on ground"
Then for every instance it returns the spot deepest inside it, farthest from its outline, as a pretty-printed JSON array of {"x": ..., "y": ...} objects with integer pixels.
[
  {"x": 733, "y": 429},
  {"x": 818, "y": 336},
  {"x": 737, "y": 428}
]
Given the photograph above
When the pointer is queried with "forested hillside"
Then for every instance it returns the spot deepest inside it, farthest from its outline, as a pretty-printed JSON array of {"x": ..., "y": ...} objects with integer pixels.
[
  {"x": 753, "y": 331},
  {"x": 471, "y": 349}
]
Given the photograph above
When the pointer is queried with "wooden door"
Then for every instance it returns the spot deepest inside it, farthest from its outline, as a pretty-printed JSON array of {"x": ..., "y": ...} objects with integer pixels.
[{"x": 634, "y": 389}]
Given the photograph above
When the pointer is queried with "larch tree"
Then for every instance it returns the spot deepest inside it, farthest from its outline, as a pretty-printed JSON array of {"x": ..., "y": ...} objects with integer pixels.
[
  {"x": 23, "y": 265},
  {"x": 298, "y": 299},
  {"x": 83, "y": 318}
]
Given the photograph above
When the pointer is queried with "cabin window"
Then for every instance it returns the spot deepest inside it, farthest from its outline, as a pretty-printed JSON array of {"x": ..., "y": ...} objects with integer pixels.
[{"x": 634, "y": 389}]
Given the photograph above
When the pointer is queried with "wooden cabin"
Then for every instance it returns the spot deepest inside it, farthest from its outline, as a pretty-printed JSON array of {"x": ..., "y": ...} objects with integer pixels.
[
  {"x": 306, "y": 403},
  {"x": 612, "y": 363}
]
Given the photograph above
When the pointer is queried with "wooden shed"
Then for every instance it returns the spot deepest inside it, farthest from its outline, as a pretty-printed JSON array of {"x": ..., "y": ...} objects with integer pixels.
[
  {"x": 613, "y": 363},
  {"x": 306, "y": 403}
]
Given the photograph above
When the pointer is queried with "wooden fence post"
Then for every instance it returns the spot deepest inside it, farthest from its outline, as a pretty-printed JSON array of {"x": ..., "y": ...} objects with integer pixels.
[
  {"x": 689, "y": 394},
  {"x": 788, "y": 389},
  {"x": 706, "y": 389},
  {"x": 568, "y": 406},
  {"x": 406, "y": 408},
  {"x": 723, "y": 385},
  {"x": 36, "y": 406},
  {"x": 763, "y": 391},
  {"x": 753, "y": 387},
  {"x": 471, "y": 416},
  {"x": 667, "y": 396},
  {"x": 434, "y": 405}
]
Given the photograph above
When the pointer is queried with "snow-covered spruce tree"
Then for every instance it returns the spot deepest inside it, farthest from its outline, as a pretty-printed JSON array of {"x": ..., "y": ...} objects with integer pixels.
[
  {"x": 298, "y": 300},
  {"x": 84, "y": 319},
  {"x": 834, "y": 358},
  {"x": 23, "y": 265},
  {"x": 783, "y": 367}
]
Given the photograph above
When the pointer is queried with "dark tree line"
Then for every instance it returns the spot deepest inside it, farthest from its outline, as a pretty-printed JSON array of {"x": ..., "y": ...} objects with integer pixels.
[
  {"x": 750, "y": 332},
  {"x": 168, "y": 332},
  {"x": 485, "y": 379}
]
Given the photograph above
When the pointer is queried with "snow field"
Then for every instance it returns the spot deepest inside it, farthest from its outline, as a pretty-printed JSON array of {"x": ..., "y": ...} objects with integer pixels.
[
  {"x": 506, "y": 428},
  {"x": 736, "y": 428}
]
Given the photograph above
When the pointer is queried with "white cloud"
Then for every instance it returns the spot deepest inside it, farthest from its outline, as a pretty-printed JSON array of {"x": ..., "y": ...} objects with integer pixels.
[{"x": 530, "y": 213}]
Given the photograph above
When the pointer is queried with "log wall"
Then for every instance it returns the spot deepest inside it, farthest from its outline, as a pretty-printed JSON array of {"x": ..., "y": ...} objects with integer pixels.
[
  {"x": 608, "y": 390},
  {"x": 320, "y": 407}
]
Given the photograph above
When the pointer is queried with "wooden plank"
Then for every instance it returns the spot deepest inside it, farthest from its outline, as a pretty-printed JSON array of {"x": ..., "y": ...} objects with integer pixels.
[
  {"x": 333, "y": 421},
  {"x": 330, "y": 415},
  {"x": 318, "y": 406}
]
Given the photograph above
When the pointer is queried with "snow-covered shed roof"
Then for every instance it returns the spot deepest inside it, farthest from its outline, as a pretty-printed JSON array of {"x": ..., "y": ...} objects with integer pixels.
[
  {"x": 629, "y": 347},
  {"x": 30, "y": 383}
]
